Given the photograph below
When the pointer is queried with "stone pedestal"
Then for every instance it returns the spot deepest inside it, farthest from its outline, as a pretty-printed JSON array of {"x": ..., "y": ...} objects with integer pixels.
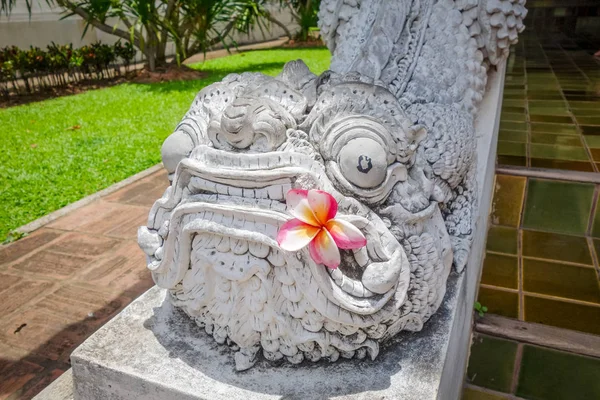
[{"x": 152, "y": 351}]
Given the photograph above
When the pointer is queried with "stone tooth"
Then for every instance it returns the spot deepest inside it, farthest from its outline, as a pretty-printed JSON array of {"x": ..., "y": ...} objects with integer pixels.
[
  {"x": 248, "y": 193},
  {"x": 259, "y": 250},
  {"x": 276, "y": 258},
  {"x": 238, "y": 222},
  {"x": 235, "y": 191},
  {"x": 213, "y": 242},
  {"x": 239, "y": 246},
  {"x": 222, "y": 189},
  {"x": 201, "y": 240},
  {"x": 227, "y": 219},
  {"x": 286, "y": 187},
  {"x": 260, "y": 194},
  {"x": 224, "y": 245},
  {"x": 361, "y": 257},
  {"x": 336, "y": 274},
  {"x": 210, "y": 186},
  {"x": 275, "y": 192}
]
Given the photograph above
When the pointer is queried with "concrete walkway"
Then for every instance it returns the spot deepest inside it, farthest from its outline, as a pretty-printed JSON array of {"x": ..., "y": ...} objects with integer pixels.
[{"x": 65, "y": 280}]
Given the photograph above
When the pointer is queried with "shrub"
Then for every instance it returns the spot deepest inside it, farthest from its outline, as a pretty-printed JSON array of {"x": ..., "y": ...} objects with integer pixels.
[{"x": 27, "y": 71}]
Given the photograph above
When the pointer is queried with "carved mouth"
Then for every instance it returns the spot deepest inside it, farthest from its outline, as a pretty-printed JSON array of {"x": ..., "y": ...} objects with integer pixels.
[{"x": 229, "y": 219}]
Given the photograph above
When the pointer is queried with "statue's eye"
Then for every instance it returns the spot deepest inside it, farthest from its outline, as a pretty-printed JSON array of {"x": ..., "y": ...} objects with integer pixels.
[{"x": 363, "y": 162}]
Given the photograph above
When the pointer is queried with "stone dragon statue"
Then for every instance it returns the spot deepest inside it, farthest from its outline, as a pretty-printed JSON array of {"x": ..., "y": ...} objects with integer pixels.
[{"x": 387, "y": 131}]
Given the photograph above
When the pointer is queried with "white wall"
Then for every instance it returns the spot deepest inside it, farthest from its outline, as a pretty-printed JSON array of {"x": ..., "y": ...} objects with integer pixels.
[{"x": 44, "y": 27}]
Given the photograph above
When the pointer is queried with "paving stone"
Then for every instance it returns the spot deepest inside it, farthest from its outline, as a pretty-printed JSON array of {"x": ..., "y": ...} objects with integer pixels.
[
  {"x": 119, "y": 220},
  {"x": 21, "y": 293},
  {"x": 83, "y": 244},
  {"x": 123, "y": 269},
  {"x": 52, "y": 264},
  {"x": 39, "y": 383},
  {"x": 145, "y": 192},
  {"x": 8, "y": 281},
  {"x": 127, "y": 228},
  {"x": 27, "y": 245},
  {"x": 54, "y": 326},
  {"x": 84, "y": 215},
  {"x": 15, "y": 377}
]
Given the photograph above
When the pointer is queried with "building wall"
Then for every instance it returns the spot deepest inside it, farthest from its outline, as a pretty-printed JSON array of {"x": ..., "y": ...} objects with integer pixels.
[{"x": 45, "y": 26}]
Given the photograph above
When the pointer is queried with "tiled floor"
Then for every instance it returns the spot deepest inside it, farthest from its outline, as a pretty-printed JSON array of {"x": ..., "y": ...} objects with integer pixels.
[
  {"x": 64, "y": 281},
  {"x": 551, "y": 109},
  {"x": 541, "y": 263},
  {"x": 505, "y": 369}
]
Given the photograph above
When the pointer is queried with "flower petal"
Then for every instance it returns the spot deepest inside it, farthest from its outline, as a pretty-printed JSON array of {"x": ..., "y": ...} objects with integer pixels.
[
  {"x": 296, "y": 234},
  {"x": 346, "y": 235},
  {"x": 323, "y": 250},
  {"x": 299, "y": 207},
  {"x": 323, "y": 205}
]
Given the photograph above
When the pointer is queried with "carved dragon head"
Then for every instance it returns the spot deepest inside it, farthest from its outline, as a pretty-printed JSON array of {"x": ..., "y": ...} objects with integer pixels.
[{"x": 247, "y": 141}]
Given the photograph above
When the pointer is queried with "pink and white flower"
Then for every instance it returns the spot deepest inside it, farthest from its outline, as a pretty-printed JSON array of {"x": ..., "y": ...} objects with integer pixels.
[{"x": 315, "y": 225}]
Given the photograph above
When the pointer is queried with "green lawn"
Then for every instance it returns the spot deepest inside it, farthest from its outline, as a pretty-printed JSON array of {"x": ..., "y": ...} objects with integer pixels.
[{"x": 55, "y": 152}]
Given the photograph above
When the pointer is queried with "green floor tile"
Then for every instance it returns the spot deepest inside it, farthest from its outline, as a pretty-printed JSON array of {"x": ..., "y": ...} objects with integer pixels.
[
  {"x": 590, "y": 129},
  {"x": 559, "y": 129},
  {"x": 491, "y": 362},
  {"x": 511, "y": 109},
  {"x": 513, "y": 126},
  {"x": 547, "y": 104},
  {"x": 554, "y": 246},
  {"x": 511, "y": 148},
  {"x": 554, "y": 279},
  {"x": 508, "y": 116},
  {"x": 595, "y": 105},
  {"x": 588, "y": 120},
  {"x": 508, "y": 200},
  {"x": 592, "y": 141},
  {"x": 585, "y": 166},
  {"x": 555, "y": 375},
  {"x": 549, "y": 111},
  {"x": 470, "y": 393},
  {"x": 562, "y": 314},
  {"x": 585, "y": 112},
  {"x": 513, "y": 103},
  {"x": 499, "y": 302},
  {"x": 500, "y": 270},
  {"x": 564, "y": 140},
  {"x": 512, "y": 160},
  {"x": 502, "y": 239},
  {"x": 558, "y": 152},
  {"x": 558, "y": 206},
  {"x": 512, "y": 136},
  {"x": 553, "y": 119}
]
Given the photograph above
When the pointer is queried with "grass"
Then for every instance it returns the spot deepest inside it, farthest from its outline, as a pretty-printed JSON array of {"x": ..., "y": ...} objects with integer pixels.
[{"x": 58, "y": 151}]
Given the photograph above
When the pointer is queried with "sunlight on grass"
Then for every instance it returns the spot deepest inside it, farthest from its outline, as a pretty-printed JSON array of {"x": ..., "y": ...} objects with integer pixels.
[{"x": 57, "y": 151}]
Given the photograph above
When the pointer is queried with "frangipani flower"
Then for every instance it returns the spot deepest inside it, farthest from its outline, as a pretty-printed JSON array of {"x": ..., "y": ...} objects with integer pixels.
[{"x": 315, "y": 225}]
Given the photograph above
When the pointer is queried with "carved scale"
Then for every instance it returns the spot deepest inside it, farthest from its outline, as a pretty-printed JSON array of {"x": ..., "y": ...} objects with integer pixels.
[{"x": 388, "y": 131}]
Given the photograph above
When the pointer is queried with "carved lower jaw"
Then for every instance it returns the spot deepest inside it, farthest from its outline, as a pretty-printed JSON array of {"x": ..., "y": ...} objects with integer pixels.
[{"x": 236, "y": 241}]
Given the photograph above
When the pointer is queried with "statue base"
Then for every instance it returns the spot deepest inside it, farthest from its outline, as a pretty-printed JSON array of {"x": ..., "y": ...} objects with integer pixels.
[{"x": 153, "y": 351}]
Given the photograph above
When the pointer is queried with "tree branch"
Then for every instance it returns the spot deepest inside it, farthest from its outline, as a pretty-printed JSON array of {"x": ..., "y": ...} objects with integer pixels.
[
  {"x": 100, "y": 25},
  {"x": 280, "y": 24}
]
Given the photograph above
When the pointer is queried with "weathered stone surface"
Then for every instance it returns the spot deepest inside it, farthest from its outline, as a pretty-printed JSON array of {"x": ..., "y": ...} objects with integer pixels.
[
  {"x": 153, "y": 351},
  {"x": 388, "y": 133}
]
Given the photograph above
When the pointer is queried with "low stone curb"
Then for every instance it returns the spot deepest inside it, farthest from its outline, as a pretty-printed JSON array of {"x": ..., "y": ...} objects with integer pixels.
[{"x": 46, "y": 219}]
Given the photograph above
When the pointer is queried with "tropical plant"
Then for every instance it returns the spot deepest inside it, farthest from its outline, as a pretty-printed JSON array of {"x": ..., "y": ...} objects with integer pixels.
[
  {"x": 305, "y": 13},
  {"x": 192, "y": 25}
]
